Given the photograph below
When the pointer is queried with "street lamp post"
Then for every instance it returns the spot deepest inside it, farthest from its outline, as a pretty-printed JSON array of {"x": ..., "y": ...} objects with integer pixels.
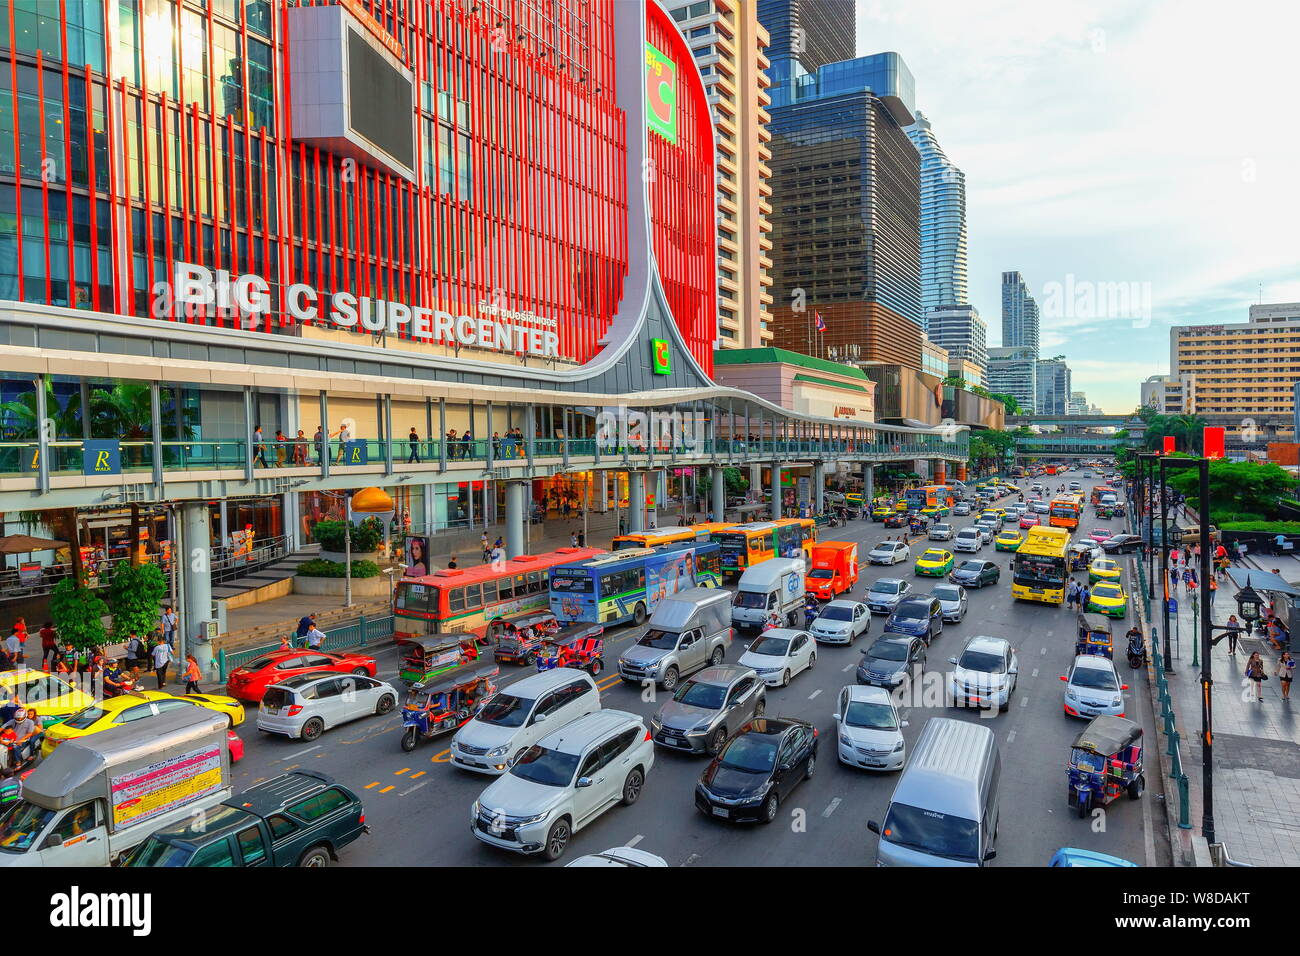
[{"x": 1164, "y": 567}]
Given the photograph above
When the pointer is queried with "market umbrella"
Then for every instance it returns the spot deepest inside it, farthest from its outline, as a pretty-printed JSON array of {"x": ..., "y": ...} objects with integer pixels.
[{"x": 25, "y": 543}]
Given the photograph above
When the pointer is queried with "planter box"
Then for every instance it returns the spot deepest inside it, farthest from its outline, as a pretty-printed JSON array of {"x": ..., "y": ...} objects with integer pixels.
[
  {"x": 378, "y": 587},
  {"x": 337, "y": 556}
]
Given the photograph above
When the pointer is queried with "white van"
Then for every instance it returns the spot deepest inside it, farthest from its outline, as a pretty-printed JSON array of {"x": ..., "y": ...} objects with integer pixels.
[
  {"x": 774, "y": 587},
  {"x": 514, "y": 719},
  {"x": 944, "y": 811}
]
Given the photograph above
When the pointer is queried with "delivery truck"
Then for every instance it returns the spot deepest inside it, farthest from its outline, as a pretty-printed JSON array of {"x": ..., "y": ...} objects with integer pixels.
[
  {"x": 96, "y": 797},
  {"x": 770, "y": 592},
  {"x": 834, "y": 569}
]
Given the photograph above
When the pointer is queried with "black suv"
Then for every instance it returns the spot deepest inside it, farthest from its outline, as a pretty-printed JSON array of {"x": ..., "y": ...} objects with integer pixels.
[
  {"x": 300, "y": 818},
  {"x": 918, "y": 615}
]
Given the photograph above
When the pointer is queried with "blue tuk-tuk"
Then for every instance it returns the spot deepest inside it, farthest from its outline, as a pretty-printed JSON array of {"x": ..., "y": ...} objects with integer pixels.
[
  {"x": 1094, "y": 636},
  {"x": 1105, "y": 761},
  {"x": 445, "y": 702}
]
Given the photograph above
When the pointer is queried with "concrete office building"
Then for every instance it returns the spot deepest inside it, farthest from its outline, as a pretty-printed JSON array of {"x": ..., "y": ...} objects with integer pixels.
[
  {"x": 1052, "y": 386},
  {"x": 1013, "y": 370},
  {"x": 960, "y": 330},
  {"x": 943, "y": 224},
  {"x": 729, "y": 45}
]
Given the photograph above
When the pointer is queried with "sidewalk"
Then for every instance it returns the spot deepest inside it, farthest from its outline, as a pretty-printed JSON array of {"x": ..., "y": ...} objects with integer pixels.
[{"x": 1256, "y": 745}]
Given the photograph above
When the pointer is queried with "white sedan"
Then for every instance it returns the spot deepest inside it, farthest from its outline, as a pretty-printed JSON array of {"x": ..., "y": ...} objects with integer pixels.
[
  {"x": 1093, "y": 688},
  {"x": 889, "y": 552},
  {"x": 870, "y": 731},
  {"x": 778, "y": 654},
  {"x": 841, "y": 622}
]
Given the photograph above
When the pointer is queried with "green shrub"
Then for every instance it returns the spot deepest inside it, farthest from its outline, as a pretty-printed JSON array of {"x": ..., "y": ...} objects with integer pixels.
[
  {"x": 77, "y": 613},
  {"x": 365, "y": 536},
  {"x": 320, "y": 568},
  {"x": 1238, "y": 517},
  {"x": 1268, "y": 527}
]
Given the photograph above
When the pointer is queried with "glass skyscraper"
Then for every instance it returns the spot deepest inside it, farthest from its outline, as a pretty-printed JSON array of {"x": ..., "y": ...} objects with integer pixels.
[
  {"x": 806, "y": 35},
  {"x": 1019, "y": 313},
  {"x": 943, "y": 223}
]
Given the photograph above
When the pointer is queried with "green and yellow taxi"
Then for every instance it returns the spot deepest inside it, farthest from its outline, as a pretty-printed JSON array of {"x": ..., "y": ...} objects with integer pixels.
[
  {"x": 1108, "y": 598},
  {"x": 125, "y": 708},
  {"x": 935, "y": 563},
  {"x": 881, "y": 511},
  {"x": 1104, "y": 569},
  {"x": 52, "y": 698},
  {"x": 1009, "y": 540}
]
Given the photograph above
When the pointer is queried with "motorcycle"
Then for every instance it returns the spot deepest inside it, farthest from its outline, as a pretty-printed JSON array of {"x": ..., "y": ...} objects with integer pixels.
[
  {"x": 810, "y": 611},
  {"x": 1137, "y": 651}
]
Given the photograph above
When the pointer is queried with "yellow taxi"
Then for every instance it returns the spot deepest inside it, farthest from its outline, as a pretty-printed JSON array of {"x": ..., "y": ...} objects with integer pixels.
[
  {"x": 1108, "y": 598},
  {"x": 935, "y": 562},
  {"x": 1104, "y": 569},
  {"x": 881, "y": 512},
  {"x": 1009, "y": 540},
  {"x": 51, "y": 697},
  {"x": 137, "y": 705}
]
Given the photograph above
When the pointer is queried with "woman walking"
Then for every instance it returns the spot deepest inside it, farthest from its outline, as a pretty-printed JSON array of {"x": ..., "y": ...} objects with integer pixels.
[
  {"x": 1285, "y": 671},
  {"x": 1234, "y": 631},
  {"x": 1255, "y": 672}
]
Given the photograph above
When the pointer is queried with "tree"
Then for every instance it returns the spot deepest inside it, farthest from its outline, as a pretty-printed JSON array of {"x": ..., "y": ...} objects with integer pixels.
[
  {"x": 733, "y": 480},
  {"x": 136, "y": 595},
  {"x": 990, "y": 448},
  {"x": 78, "y": 614},
  {"x": 1235, "y": 486},
  {"x": 1186, "y": 431},
  {"x": 1013, "y": 407}
]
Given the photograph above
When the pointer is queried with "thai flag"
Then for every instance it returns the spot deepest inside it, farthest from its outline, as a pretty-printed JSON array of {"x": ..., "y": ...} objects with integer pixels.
[{"x": 821, "y": 325}]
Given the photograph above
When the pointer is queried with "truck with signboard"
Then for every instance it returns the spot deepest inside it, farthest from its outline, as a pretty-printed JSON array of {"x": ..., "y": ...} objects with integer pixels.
[{"x": 98, "y": 796}]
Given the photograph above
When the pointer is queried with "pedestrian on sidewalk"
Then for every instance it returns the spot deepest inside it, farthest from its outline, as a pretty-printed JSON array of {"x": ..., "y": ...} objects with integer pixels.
[
  {"x": 14, "y": 648},
  {"x": 1189, "y": 579},
  {"x": 1072, "y": 594},
  {"x": 135, "y": 650},
  {"x": 487, "y": 551},
  {"x": 573, "y": 540},
  {"x": 192, "y": 675},
  {"x": 49, "y": 645},
  {"x": 305, "y": 624},
  {"x": 315, "y": 637},
  {"x": 1085, "y": 594},
  {"x": 1234, "y": 631},
  {"x": 1255, "y": 672},
  {"x": 162, "y": 658},
  {"x": 169, "y": 622},
  {"x": 1214, "y": 590},
  {"x": 1285, "y": 671}
]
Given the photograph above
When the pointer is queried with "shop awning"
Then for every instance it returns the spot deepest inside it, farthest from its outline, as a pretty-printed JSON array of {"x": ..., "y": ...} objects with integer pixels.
[{"x": 1262, "y": 581}]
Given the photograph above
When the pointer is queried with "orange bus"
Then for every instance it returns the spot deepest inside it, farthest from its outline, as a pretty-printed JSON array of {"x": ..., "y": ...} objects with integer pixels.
[
  {"x": 1064, "y": 511},
  {"x": 464, "y": 599}
]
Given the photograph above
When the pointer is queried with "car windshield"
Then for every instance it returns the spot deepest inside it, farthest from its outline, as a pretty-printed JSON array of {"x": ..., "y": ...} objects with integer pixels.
[
  {"x": 943, "y": 527},
  {"x": 155, "y": 852},
  {"x": 968, "y": 533},
  {"x": 986, "y": 662},
  {"x": 547, "y": 767},
  {"x": 886, "y": 586},
  {"x": 928, "y": 831},
  {"x": 771, "y": 646},
  {"x": 663, "y": 640},
  {"x": 1106, "y": 591},
  {"x": 1094, "y": 678},
  {"x": 41, "y": 689},
  {"x": 699, "y": 694},
  {"x": 821, "y": 573},
  {"x": 933, "y": 556},
  {"x": 85, "y": 718},
  {"x": 947, "y": 592},
  {"x": 871, "y": 715},
  {"x": 888, "y": 650},
  {"x": 23, "y": 825},
  {"x": 974, "y": 567},
  {"x": 750, "y": 599},
  {"x": 888, "y": 546},
  {"x": 505, "y": 710},
  {"x": 833, "y": 613},
  {"x": 912, "y": 611},
  {"x": 753, "y": 753}
]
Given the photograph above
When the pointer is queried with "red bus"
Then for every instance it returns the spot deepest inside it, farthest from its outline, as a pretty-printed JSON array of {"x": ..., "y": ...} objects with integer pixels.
[{"x": 465, "y": 599}]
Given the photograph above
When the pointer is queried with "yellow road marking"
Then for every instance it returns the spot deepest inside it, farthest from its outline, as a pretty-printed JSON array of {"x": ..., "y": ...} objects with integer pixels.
[
  {"x": 398, "y": 773},
  {"x": 370, "y": 785},
  {"x": 418, "y": 774},
  {"x": 607, "y": 682},
  {"x": 386, "y": 789},
  {"x": 444, "y": 757}
]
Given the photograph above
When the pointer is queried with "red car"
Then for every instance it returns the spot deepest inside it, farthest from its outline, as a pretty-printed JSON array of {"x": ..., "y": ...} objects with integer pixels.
[
  {"x": 249, "y": 683},
  {"x": 1028, "y": 520},
  {"x": 236, "y": 746},
  {"x": 1101, "y": 534}
]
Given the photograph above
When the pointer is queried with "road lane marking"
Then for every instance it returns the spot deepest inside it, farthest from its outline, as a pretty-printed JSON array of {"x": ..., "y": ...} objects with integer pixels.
[
  {"x": 444, "y": 757},
  {"x": 814, "y": 693},
  {"x": 398, "y": 773},
  {"x": 1035, "y": 673},
  {"x": 1011, "y": 737},
  {"x": 846, "y": 668},
  {"x": 413, "y": 789},
  {"x": 371, "y": 786},
  {"x": 299, "y": 753},
  {"x": 607, "y": 682},
  {"x": 691, "y": 860},
  {"x": 386, "y": 789},
  {"x": 417, "y": 775},
  {"x": 1050, "y": 633},
  {"x": 1043, "y": 651},
  {"x": 1024, "y": 701},
  {"x": 831, "y": 807},
  {"x": 634, "y": 841}
]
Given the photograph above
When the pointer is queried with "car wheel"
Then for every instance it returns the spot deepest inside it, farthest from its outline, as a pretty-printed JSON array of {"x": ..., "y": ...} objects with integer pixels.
[
  {"x": 386, "y": 703},
  {"x": 769, "y": 809},
  {"x": 810, "y": 766},
  {"x": 360, "y": 672},
  {"x": 632, "y": 787},
  {"x": 317, "y": 856},
  {"x": 312, "y": 729},
  {"x": 556, "y": 840},
  {"x": 716, "y": 657},
  {"x": 638, "y": 615},
  {"x": 716, "y": 740},
  {"x": 785, "y": 678},
  {"x": 670, "y": 678}
]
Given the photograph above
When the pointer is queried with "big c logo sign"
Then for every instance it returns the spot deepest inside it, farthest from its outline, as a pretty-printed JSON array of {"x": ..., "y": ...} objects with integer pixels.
[
  {"x": 660, "y": 94},
  {"x": 661, "y": 357}
]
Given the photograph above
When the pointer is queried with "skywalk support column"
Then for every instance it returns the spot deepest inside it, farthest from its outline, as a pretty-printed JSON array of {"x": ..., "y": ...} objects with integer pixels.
[
  {"x": 196, "y": 537},
  {"x": 516, "y": 542},
  {"x": 635, "y": 501},
  {"x": 776, "y": 489},
  {"x": 756, "y": 481},
  {"x": 718, "y": 490},
  {"x": 868, "y": 483},
  {"x": 819, "y": 487}
]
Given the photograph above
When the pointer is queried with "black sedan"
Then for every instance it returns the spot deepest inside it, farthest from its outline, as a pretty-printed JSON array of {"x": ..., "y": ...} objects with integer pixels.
[
  {"x": 975, "y": 574},
  {"x": 758, "y": 768},
  {"x": 1122, "y": 543},
  {"x": 890, "y": 660}
]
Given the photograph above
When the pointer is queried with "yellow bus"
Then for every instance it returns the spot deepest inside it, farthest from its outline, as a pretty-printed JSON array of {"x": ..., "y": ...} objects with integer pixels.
[
  {"x": 1039, "y": 571},
  {"x": 745, "y": 545},
  {"x": 1065, "y": 510},
  {"x": 656, "y": 537}
]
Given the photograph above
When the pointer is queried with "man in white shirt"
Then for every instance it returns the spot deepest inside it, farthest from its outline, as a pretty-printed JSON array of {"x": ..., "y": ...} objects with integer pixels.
[
  {"x": 314, "y": 638},
  {"x": 162, "y": 658}
]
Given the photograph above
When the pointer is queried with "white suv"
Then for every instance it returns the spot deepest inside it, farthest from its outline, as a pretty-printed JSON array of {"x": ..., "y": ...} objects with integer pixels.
[
  {"x": 564, "y": 782},
  {"x": 968, "y": 539}
]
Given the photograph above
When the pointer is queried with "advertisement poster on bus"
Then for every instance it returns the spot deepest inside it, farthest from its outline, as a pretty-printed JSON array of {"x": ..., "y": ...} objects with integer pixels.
[
  {"x": 417, "y": 556},
  {"x": 669, "y": 573},
  {"x": 153, "y": 790}
]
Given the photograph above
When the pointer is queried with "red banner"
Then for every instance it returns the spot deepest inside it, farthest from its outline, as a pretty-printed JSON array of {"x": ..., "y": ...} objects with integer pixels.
[
  {"x": 1169, "y": 445},
  {"x": 1212, "y": 441}
]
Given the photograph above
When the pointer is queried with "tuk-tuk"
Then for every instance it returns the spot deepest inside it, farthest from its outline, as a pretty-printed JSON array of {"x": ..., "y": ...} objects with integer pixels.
[
  {"x": 428, "y": 657},
  {"x": 1094, "y": 636},
  {"x": 446, "y": 702},
  {"x": 1105, "y": 761},
  {"x": 578, "y": 645},
  {"x": 516, "y": 638},
  {"x": 1081, "y": 554}
]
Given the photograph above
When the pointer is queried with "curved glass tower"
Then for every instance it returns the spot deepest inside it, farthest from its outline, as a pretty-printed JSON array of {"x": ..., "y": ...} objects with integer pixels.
[{"x": 943, "y": 222}]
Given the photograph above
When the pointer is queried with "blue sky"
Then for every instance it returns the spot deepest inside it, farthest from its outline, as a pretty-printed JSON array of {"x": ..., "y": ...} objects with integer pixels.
[{"x": 1144, "y": 152}]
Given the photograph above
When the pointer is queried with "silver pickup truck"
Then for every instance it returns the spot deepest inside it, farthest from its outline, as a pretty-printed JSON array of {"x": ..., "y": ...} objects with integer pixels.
[{"x": 688, "y": 630}]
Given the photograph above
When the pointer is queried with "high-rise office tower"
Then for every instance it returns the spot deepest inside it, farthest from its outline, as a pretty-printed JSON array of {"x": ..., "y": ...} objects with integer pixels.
[
  {"x": 807, "y": 34},
  {"x": 1052, "y": 386},
  {"x": 1019, "y": 313},
  {"x": 943, "y": 223},
  {"x": 728, "y": 43},
  {"x": 1013, "y": 371},
  {"x": 960, "y": 330}
]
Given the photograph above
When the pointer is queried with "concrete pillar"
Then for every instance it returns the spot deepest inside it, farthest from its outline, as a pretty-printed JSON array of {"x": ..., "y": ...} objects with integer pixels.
[
  {"x": 961, "y": 472},
  {"x": 635, "y": 501},
  {"x": 940, "y": 472},
  {"x": 516, "y": 542},
  {"x": 775, "y": 469},
  {"x": 868, "y": 483},
  {"x": 819, "y": 488},
  {"x": 718, "y": 492},
  {"x": 601, "y": 503},
  {"x": 755, "y": 481},
  {"x": 197, "y": 585},
  {"x": 661, "y": 489}
]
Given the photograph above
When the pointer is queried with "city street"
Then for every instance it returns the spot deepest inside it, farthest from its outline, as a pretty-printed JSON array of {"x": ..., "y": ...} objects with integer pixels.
[{"x": 418, "y": 806}]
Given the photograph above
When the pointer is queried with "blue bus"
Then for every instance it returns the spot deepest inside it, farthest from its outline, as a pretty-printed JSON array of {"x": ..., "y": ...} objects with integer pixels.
[{"x": 627, "y": 585}]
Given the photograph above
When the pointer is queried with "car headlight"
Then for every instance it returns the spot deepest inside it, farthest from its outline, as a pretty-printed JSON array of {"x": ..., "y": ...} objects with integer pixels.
[
  {"x": 1117, "y": 700},
  {"x": 698, "y": 731},
  {"x": 1070, "y": 694},
  {"x": 476, "y": 809},
  {"x": 498, "y": 751},
  {"x": 899, "y": 746},
  {"x": 524, "y": 821}
]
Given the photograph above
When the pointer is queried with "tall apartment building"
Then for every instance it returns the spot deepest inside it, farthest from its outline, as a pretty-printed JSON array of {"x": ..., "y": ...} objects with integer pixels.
[
  {"x": 943, "y": 223},
  {"x": 960, "y": 330},
  {"x": 1052, "y": 386},
  {"x": 729, "y": 46},
  {"x": 807, "y": 34},
  {"x": 1013, "y": 371},
  {"x": 1019, "y": 313}
]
